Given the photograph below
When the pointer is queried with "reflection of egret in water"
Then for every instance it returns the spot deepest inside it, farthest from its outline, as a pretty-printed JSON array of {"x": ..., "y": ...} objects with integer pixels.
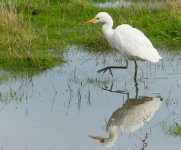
[{"x": 134, "y": 114}]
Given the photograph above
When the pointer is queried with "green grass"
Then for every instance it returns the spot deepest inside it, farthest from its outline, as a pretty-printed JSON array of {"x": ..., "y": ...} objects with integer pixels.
[
  {"x": 18, "y": 49},
  {"x": 175, "y": 130},
  {"x": 40, "y": 26},
  {"x": 62, "y": 23}
]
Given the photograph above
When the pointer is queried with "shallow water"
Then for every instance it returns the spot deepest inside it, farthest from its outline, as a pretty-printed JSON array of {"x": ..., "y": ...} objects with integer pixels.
[
  {"x": 115, "y": 3},
  {"x": 62, "y": 107},
  {"x": 126, "y": 3}
]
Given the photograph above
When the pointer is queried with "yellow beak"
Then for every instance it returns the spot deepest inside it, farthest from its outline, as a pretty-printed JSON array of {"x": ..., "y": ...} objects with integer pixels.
[
  {"x": 91, "y": 21},
  {"x": 97, "y": 138}
]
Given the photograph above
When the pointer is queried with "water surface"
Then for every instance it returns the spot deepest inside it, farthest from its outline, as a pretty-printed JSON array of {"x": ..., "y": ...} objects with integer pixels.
[
  {"x": 126, "y": 3},
  {"x": 64, "y": 107}
]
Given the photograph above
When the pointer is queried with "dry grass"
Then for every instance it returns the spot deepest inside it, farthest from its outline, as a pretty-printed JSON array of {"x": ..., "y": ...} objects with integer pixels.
[
  {"x": 16, "y": 34},
  {"x": 18, "y": 41}
]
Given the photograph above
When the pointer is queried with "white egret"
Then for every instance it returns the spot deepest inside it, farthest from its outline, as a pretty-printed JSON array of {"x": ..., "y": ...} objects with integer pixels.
[
  {"x": 129, "y": 41},
  {"x": 133, "y": 115}
]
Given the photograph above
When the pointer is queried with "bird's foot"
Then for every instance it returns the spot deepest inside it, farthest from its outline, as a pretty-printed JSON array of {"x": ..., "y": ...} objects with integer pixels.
[{"x": 105, "y": 69}]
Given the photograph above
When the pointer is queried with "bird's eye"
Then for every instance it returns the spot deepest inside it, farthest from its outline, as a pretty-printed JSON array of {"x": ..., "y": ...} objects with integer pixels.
[{"x": 97, "y": 18}]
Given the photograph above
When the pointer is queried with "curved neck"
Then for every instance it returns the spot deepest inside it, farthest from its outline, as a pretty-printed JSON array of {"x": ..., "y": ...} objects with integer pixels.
[
  {"x": 107, "y": 29},
  {"x": 113, "y": 136},
  {"x": 110, "y": 141}
]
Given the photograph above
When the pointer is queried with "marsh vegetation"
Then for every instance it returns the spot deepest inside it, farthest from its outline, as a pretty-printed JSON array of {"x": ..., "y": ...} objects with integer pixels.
[{"x": 35, "y": 33}]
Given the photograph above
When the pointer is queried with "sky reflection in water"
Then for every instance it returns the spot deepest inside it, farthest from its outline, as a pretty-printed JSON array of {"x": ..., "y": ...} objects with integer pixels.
[{"x": 62, "y": 107}]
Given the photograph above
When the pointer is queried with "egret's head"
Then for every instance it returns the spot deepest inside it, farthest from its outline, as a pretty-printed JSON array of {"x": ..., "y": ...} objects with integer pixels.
[{"x": 100, "y": 17}]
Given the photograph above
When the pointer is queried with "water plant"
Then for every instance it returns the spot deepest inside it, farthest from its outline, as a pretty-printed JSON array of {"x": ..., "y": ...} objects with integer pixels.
[{"x": 175, "y": 130}]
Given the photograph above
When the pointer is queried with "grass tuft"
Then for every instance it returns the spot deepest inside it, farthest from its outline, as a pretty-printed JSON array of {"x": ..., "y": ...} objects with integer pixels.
[{"x": 175, "y": 130}]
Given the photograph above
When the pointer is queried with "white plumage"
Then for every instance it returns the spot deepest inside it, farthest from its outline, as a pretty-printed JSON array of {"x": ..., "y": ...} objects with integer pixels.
[
  {"x": 129, "y": 41},
  {"x": 133, "y": 44}
]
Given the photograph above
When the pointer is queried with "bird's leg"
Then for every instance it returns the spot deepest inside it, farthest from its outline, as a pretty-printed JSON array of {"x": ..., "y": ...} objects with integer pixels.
[
  {"x": 135, "y": 79},
  {"x": 113, "y": 67}
]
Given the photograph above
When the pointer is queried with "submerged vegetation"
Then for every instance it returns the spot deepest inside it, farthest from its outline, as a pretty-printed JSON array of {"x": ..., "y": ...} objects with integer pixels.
[
  {"x": 30, "y": 30},
  {"x": 175, "y": 130}
]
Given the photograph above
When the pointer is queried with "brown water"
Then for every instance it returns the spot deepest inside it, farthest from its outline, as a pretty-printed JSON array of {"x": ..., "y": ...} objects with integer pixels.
[{"x": 62, "y": 107}]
